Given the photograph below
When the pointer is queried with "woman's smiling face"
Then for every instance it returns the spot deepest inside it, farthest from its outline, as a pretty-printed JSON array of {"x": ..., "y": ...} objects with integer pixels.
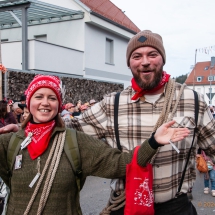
[{"x": 44, "y": 105}]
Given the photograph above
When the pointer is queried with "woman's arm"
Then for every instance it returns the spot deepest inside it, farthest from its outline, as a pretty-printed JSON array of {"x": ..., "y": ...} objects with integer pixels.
[
  {"x": 4, "y": 141},
  {"x": 98, "y": 159}
]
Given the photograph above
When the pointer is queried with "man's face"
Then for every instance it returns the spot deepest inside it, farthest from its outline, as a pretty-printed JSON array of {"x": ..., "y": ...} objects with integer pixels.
[{"x": 146, "y": 65}]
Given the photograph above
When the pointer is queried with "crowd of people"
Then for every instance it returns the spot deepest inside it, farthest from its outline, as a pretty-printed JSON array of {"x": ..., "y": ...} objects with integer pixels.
[{"x": 152, "y": 112}]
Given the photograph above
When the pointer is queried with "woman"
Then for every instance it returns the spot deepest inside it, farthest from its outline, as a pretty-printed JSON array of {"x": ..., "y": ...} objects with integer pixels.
[
  {"x": 44, "y": 124},
  {"x": 6, "y": 117}
]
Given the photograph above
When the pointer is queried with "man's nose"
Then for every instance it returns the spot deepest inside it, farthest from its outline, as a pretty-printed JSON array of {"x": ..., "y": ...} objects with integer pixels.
[{"x": 145, "y": 61}]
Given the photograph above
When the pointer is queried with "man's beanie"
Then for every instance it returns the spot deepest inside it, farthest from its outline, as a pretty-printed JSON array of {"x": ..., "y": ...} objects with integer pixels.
[
  {"x": 44, "y": 81},
  {"x": 145, "y": 38}
]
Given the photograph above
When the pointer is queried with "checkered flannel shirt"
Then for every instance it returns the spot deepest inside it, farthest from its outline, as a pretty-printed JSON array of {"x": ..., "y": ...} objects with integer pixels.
[{"x": 136, "y": 120}]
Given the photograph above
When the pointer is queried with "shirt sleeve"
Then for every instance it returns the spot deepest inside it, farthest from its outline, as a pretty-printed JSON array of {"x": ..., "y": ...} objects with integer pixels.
[{"x": 92, "y": 122}]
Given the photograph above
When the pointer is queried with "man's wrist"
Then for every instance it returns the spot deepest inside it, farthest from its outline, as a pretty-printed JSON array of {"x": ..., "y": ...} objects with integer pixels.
[{"x": 153, "y": 143}]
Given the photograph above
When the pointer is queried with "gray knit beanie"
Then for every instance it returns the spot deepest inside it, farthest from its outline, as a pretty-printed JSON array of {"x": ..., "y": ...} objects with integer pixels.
[{"x": 145, "y": 38}]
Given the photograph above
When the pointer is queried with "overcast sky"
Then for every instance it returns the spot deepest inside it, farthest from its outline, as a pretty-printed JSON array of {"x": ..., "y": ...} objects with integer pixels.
[{"x": 184, "y": 25}]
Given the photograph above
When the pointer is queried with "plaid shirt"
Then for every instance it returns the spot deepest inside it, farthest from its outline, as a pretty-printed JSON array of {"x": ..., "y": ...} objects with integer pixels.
[{"x": 136, "y": 120}]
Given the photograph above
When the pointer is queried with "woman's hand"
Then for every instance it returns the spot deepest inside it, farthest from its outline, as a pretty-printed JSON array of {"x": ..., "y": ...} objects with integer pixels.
[
  {"x": 9, "y": 128},
  {"x": 164, "y": 133}
]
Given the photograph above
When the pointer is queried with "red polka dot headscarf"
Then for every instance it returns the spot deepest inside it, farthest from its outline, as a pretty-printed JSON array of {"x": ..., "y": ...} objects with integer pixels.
[{"x": 44, "y": 81}]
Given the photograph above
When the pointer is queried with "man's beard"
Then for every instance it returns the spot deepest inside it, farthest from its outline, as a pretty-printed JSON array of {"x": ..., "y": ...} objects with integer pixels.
[{"x": 147, "y": 84}]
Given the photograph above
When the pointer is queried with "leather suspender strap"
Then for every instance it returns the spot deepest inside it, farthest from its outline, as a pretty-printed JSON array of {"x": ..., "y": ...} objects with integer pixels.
[
  {"x": 195, "y": 130},
  {"x": 116, "y": 107}
]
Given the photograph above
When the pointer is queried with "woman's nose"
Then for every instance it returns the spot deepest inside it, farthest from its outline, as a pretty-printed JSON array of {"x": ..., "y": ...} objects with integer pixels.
[{"x": 45, "y": 102}]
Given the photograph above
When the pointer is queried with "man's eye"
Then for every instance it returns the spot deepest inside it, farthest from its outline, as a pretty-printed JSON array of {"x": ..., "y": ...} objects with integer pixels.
[{"x": 136, "y": 56}]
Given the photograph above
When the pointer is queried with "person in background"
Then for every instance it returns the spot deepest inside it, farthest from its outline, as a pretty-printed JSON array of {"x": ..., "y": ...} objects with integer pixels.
[
  {"x": 78, "y": 105},
  {"x": 65, "y": 114},
  {"x": 26, "y": 112},
  {"x": 45, "y": 155},
  {"x": 92, "y": 102},
  {"x": 6, "y": 116},
  {"x": 83, "y": 108},
  {"x": 70, "y": 107},
  {"x": 209, "y": 177},
  {"x": 77, "y": 111},
  {"x": 17, "y": 112},
  {"x": 23, "y": 99}
]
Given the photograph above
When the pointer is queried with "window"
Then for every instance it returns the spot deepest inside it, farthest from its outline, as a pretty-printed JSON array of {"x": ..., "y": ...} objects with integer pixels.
[
  {"x": 41, "y": 37},
  {"x": 210, "y": 78},
  {"x": 206, "y": 68},
  {"x": 109, "y": 51},
  {"x": 4, "y": 40},
  {"x": 199, "y": 79}
]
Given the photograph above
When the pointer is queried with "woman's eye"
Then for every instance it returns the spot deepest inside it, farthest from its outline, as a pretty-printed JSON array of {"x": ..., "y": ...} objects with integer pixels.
[{"x": 53, "y": 98}]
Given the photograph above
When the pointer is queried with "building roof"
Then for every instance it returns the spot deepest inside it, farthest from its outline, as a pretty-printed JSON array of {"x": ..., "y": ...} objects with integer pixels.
[
  {"x": 107, "y": 10},
  {"x": 202, "y": 69},
  {"x": 38, "y": 13}
]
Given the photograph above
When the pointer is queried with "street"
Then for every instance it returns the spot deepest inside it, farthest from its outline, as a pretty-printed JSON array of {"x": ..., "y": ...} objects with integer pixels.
[{"x": 95, "y": 194}]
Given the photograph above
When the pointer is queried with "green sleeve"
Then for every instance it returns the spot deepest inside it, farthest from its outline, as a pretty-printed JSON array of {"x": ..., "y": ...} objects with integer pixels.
[
  {"x": 4, "y": 142},
  {"x": 99, "y": 159}
]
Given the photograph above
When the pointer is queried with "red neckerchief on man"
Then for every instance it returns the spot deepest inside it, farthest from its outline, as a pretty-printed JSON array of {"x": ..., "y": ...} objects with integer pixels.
[
  {"x": 140, "y": 91},
  {"x": 40, "y": 139}
]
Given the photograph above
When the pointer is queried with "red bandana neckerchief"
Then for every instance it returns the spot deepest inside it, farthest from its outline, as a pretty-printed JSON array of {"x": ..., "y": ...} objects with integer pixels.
[
  {"x": 140, "y": 91},
  {"x": 40, "y": 139}
]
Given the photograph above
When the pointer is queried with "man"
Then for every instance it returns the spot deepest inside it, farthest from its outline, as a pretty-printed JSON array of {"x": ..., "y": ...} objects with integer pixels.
[{"x": 154, "y": 98}]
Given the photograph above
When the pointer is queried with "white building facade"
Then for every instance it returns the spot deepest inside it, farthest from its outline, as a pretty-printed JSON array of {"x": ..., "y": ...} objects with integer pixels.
[{"x": 89, "y": 46}]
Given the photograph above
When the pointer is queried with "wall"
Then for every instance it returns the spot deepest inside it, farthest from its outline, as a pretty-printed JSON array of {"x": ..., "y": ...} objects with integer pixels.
[
  {"x": 95, "y": 66},
  {"x": 44, "y": 56},
  {"x": 69, "y": 33},
  {"x": 84, "y": 89}
]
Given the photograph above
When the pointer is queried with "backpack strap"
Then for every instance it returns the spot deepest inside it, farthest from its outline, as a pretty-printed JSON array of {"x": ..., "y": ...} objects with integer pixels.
[
  {"x": 116, "y": 107},
  {"x": 72, "y": 151},
  {"x": 13, "y": 149},
  {"x": 196, "y": 104}
]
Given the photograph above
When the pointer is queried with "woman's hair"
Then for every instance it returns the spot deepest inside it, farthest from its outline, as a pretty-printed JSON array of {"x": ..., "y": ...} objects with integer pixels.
[
  {"x": 57, "y": 118},
  {"x": 3, "y": 109}
]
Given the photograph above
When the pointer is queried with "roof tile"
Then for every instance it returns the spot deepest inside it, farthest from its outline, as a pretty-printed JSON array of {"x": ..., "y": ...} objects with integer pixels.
[{"x": 109, "y": 10}]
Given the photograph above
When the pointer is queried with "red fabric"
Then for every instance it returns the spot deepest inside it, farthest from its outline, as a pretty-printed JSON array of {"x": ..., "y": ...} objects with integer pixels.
[
  {"x": 44, "y": 81},
  {"x": 138, "y": 188},
  {"x": 140, "y": 92},
  {"x": 40, "y": 139},
  {"x": 2, "y": 120}
]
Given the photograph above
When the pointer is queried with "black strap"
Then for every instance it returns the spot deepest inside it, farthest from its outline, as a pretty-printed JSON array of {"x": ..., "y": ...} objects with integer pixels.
[
  {"x": 195, "y": 130},
  {"x": 116, "y": 107}
]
